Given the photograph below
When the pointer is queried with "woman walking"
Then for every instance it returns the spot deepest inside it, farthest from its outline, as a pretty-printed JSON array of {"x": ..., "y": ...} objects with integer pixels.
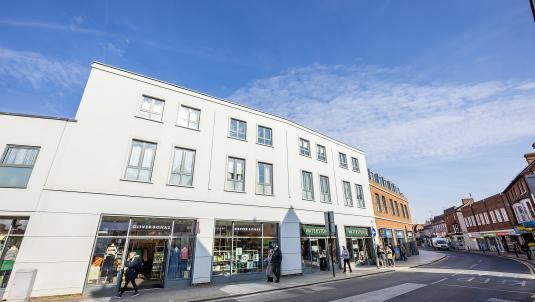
[
  {"x": 269, "y": 268},
  {"x": 390, "y": 256}
]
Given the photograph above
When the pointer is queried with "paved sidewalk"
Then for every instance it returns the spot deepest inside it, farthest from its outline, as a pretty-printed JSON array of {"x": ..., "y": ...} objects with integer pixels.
[{"x": 209, "y": 292}]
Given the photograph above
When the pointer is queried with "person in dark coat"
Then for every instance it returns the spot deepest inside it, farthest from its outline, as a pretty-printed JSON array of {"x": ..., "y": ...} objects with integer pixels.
[
  {"x": 276, "y": 261},
  {"x": 132, "y": 266}
]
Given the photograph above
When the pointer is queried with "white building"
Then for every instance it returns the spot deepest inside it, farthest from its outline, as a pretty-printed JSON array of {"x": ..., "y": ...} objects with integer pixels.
[{"x": 197, "y": 186}]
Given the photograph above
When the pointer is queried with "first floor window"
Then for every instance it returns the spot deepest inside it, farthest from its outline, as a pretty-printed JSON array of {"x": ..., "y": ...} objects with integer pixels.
[
  {"x": 355, "y": 164},
  {"x": 504, "y": 214},
  {"x": 236, "y": 174},
  {"x": 141, "y": 161},
  {"x": 397, "y": 208},
  {"x": 343, "y": 160},
  {"x": 189, "y": 117},
  {"x": 322, "y": 153},
  {"x": 378, "y": 201},
  {"x": 265, "y": 179},
  {"x": 348, "y": 196},
  {"x": 304, "y": 147},
  {"x": 182, "y": 169},
  {"x": 384, "y": 204},
  {"x": 264, "y": 136},
  {"x": 360, "y": 196},
  {"x": 151, "y": 108},
  {"x": 308, "y": 187},
  {"x": 17, "y": 166},
  {"x": 325, "y": 189}
]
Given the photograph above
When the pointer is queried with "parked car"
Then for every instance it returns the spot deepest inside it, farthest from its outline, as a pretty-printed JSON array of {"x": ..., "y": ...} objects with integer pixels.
[{"x": 440, "y": 243}]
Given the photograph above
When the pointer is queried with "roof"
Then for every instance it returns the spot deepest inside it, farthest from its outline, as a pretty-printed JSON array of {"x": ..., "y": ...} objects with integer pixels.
[
  {"x": 522, "y": 173},
  {"x": 96, "y": 63},
  {"x": 39, "y": 116}
]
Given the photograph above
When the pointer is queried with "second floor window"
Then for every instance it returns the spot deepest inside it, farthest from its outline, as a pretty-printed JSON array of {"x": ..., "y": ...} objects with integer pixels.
[
  {"x": 151, "y": 108},
  {"x": 238, "y": 129},
  {"x": 322, "y": 153},
  {"x": 236, "y": 174},
  {"x": 141, "y": 161},
  {"x": 264, "y": 183},
  {"x": 504, "y": 214},
  {"x": 355, "y": 164},
  {"x": 348, "y": 196},
  {"x": 360, "y": 196},
  {"x": 307, "y": 185},
  {"x": 17, "y": 166},
  {"x": 189, "y": 117},
  {"x": 182, "y": 169},
  {"x": 304, "y": 147},
  {"x": 264, "y": 136},
  {"x": 385, "y": 207},
  {"x": 403, "y": 210},
  {"x": 343, "y": 160},
  {"x": 397, "y": 208},
  {"x": 378, "y": 202},
  {"x": 325, "y": 190}
]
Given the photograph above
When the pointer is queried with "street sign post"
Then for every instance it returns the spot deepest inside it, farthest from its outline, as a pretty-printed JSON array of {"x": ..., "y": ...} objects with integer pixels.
[{"x": 331, "y": 229}]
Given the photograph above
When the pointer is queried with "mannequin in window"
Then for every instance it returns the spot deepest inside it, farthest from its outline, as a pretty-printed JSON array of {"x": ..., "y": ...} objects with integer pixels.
[
  {"x": 7, "y": 264},
  {"x": 184, "y": 257},
  {"x": 108, "y": 264},
  {"x": 173, "y": 262}
]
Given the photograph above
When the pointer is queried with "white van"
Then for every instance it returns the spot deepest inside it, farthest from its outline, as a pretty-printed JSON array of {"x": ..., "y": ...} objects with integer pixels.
[{"x": 440, "y": 243}]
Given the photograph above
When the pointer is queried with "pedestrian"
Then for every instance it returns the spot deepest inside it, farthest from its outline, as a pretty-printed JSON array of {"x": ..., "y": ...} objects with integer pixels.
[
  {"x": 276, "y": 260},
  {"x": 345, "y": 256},
  {"x": 389, "y": 256},
  {"x": 132, "y": 266},
  {"x": 381, "y": 258},
  {"x": 269, "y": 268},
  {"x": 402, "y": 252}
]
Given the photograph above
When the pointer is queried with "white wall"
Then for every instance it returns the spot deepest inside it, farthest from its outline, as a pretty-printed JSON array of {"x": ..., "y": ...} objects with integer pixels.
[{"x": 86, "y": 178}]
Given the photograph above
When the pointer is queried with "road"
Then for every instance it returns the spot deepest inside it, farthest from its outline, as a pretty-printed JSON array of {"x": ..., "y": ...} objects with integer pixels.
[{"x": 458, "y": 277}]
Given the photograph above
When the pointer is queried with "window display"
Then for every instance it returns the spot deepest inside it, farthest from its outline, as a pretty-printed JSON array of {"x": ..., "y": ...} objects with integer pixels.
[
  {"x": 317, "y": 248},
  {"x": 359, "y": 245},
  {"x": 240, "y": 247},
  {"x": 156, "y": 241},
  {"x": 11, "y": 236}
]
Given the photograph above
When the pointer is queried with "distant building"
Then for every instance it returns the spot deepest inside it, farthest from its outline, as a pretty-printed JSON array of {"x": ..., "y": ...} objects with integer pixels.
[{"x": 455, "y": 224}]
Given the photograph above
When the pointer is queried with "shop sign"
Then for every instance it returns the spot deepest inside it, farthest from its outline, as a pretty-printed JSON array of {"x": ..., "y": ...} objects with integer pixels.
[
  {"x": 523, "y": 229},
  {"x": 508, "y": 233},
  {"x": 399, "y": 234},
  {"x": 488, "y": 234},
  {"x": 357, "y": 232},
  {"x": 409, "y": 234},
  {"x": 529, "y": 224},
  {"x": 385, "y": 233},
  {"x": 151, "y": 227},
  {"x": 314, "y": 230}
]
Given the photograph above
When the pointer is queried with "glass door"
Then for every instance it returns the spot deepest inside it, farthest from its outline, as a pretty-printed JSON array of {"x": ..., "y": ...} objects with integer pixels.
[
  {"x": 153, "y": 254},
  {"x": 315, "y": 254}
]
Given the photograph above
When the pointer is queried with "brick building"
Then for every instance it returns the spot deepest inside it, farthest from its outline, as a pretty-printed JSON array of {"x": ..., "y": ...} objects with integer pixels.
[
  {"x": 490, "y": 224},
  {"x": 392, "y": 214},
  {"x": 455, "y": 224}
]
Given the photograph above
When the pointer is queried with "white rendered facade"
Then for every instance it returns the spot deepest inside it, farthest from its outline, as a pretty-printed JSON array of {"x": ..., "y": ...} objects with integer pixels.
[{"x": 85, "y": 178}]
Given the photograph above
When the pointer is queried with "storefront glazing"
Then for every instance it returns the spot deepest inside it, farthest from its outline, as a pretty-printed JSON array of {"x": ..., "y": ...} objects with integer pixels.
[
  {"x": 317, "y": 248},
  {"x": 11, "y": 235},
  {"x": 359, "y": 245},
  {"x": 386, "y": 237},
  {"x": 165, "y": 245},
  {"x": 241, "y": 246}
]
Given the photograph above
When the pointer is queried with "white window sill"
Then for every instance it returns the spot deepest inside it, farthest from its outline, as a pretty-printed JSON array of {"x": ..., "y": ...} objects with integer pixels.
[
  {"x": 147, "y": 119},
  {"x": 269, "y": 195},
  {"x": 265, "y": 145},
  {"x": 237, "y": 138},
  {"x": 13, "y": 187},
  {"x": 234, "y": 191},
  {"x": 305, "y": 155},
  {"x": 180, "y": 186},
  {"x": 194, "y": 129},
  {"x": 133, "y": 180}
]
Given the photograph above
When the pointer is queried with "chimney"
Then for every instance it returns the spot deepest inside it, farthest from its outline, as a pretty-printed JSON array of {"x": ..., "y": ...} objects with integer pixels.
[
  {"x": 466, "y": 201},
  {"x": 530, "y": 157}
]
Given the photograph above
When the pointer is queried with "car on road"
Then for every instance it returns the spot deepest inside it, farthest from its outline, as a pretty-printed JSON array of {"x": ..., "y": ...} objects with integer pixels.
[{"x": 440, "y": 243}]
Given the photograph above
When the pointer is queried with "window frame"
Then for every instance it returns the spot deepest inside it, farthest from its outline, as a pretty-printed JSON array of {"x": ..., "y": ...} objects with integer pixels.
[
  {"x": 318, "y": 146},
  {"x": 189, "y": 114},
  {"x": 378, "y": 202},
  {"x": 355, "y": 168},
  {"x": 359, "y": 190},
  {"x": 192, "y": 168},
  {"x": 300, "y": 149},
  {"x": 385, "y": 207},
  {"x": 322, "y": 194},
  {"x": 234, "y": 172},
  {"x": 230, "y": 129},
  {"x": 141, "y": 156},
  {"x": 303, "y": 185},
  {"x": 32, "y": 166},
  {"x": 258, "y": 163},
  {"x": 258, "y": 126},
  {"x": 149, "y": 118},
  {"x": 348, "y": 202},
  {"x": 340, "y": 155}
]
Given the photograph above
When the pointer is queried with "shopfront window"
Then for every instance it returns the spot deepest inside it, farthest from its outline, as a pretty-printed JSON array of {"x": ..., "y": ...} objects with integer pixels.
[
  {"x": 240, "y": 247},
  {"x": 106, "y": 261},
  {"x": 317, "y": 248},
  {"x": 114, "y": 226},
  {"x": 11, "y": 236},
  {"x": 359, "y": 244}
]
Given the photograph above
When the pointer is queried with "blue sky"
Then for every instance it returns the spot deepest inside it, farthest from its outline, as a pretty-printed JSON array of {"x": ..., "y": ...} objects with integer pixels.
[{"x": 440, "y": 94}]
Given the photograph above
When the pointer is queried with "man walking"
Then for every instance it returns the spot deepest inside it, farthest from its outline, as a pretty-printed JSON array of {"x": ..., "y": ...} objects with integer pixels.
[
  {"x": 345, "y": 256},
  {"x": 276, "y": 261},
  {"x": 132, "y": 265}
]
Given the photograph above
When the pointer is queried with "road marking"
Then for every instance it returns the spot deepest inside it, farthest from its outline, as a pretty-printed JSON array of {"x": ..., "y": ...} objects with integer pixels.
[
  {"x": 383, "y": 294},
  {"x": 499, "y": 300},
  {"x": 474, "y": 265},
  {"x": 486, "y": 288},
  {"x": 443, "y": 279}
]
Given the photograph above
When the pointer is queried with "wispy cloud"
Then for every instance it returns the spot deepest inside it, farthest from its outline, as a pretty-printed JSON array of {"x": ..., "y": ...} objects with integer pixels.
[
  {"x": 73, "y": 26},
  {"x": 39, "y": 70},
  {"x": 393, "y": 117}
]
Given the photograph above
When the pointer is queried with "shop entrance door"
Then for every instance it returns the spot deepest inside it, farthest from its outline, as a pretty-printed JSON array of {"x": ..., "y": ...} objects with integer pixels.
[
  {"x": 153, "y": 253},
  {"x": 315, "y": 254}
]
